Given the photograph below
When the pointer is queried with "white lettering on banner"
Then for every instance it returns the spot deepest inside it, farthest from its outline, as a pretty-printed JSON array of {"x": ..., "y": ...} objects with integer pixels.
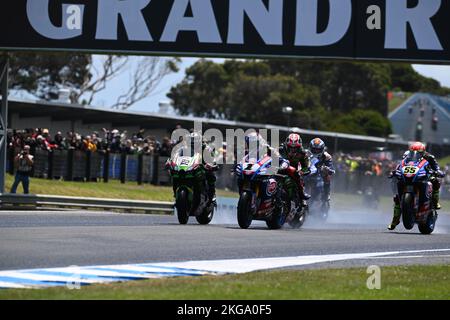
[
  {"x": 267, "y": 18},
  {"x": 203, "y": 21},
  {"x": 338, "y": 24},
  {"x": 268, "y": 22},
  {"x": 131, "y": 13},
  {"x": 398, "y": 16},
  {"x": 72, "y": 17}
]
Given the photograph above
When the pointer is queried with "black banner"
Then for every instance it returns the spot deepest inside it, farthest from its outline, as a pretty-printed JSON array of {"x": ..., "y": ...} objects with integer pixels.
[{"x": 410, "y": 30}]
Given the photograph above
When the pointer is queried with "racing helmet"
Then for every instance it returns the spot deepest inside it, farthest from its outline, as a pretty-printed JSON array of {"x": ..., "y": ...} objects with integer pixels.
[
  {"x": 417, "y": 147},
  {"x": 294, "y": 143},
  {"x": 317, "y": 147}
]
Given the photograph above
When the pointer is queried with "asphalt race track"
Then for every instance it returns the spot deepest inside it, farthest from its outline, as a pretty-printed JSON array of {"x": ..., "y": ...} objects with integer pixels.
[{"x": 48, "y": 239}]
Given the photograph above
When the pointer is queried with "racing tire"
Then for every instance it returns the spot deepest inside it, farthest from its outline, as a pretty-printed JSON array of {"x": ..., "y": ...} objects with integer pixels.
[
  {"x": 244, "y": 216},
  {"x": 408, "y": 214},
  {"x": 299, "y": 219},
  {"x": 206, "y": 216},
  {"x": 428, "y": 226},
  {"x": 182, "y": 207},
  {"x": 277, "y": 219}
]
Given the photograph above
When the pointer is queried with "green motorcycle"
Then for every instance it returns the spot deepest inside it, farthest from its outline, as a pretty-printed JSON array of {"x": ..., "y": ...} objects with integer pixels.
[{"x": 191, "y": 194}]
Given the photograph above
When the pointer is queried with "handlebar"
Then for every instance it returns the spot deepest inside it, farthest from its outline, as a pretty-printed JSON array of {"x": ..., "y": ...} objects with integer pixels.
[{"x": 436, "y": 173}]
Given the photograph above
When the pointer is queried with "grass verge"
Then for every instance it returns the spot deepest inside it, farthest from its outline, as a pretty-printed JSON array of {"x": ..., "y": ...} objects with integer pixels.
[
  {"x": 399, "y": 282},
  {"x": 395, "y": 102},
  {"x": 444, "y": 161},
  {"x": 113, "y": 189}
]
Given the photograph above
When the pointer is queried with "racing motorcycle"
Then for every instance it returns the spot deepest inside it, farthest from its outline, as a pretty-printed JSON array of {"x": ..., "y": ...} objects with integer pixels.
[
  {"x": 297, "y": 212},
  {"x": 262, "y": 196},
  {"x": 315, "y": 186},
  {"x": 191, "y": 195},
  {"x": 415, "y": 192}
]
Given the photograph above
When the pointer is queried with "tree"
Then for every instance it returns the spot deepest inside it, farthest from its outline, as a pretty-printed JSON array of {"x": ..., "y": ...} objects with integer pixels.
[
  {"x": 363, "y": 122},
  {"x": 343, "y": 86},
  {"x": 147, "y": 74},
  {"x": 239, "y": 90},
  {"x": 405, "y": 78},
  {"x": 202, "y": 91},
  {"x": 44, "y": 74},
  {"x": 340, "y": 96}
]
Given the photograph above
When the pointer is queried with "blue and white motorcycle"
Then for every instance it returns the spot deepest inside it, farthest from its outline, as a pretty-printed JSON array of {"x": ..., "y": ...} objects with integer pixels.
[
  {"x": 315, "y": 187},
  {"x": 261, "y": 193},
  {"x": 415, "y": 191}
]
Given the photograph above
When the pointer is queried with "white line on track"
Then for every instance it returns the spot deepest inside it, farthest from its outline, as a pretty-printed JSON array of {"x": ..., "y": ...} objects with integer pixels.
[{"x": 41, "y": 278}]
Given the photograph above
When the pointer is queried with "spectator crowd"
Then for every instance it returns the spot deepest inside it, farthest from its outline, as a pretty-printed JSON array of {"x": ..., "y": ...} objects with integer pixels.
[
  {"x": 354, "y": 172},
  {"x": 113, "y": 141}
]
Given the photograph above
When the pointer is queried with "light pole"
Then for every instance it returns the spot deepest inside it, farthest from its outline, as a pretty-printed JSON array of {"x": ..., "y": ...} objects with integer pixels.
[{"x": 288, "y": 111}]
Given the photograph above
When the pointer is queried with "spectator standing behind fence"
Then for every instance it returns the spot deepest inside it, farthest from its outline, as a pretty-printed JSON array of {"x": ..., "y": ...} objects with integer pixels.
[{"x": 24, "y": 163}]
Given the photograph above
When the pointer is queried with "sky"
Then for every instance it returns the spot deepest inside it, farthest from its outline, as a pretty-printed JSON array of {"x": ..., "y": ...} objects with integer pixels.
[{"x": 150, "y": 104}]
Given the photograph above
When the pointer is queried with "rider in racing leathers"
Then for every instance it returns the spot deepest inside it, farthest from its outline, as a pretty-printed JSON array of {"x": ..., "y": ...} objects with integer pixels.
[
  {"x": 190, "y": 142},
  {"x": 324, "y": 165},
  {"x": 292, "y": 150},
  {"x": 434, "y": 179},
  {"x": 254, "y": 144}
]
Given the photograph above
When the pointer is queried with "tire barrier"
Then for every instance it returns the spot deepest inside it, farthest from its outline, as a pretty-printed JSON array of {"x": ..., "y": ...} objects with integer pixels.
[
  {"x": 162, "y": 174},
  {"x": 59, "y": 164},
  {"x": 114, "y": 166},
  {"x": 131, "y": 168},
  {"x": 95, "y": 167},
  {"x": 148, "y": 168},
  {"x": 79, "y": 165},
  {"x": 40, "y": 167}
]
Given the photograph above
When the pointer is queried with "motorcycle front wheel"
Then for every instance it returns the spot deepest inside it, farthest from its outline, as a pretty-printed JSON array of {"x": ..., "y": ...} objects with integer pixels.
[
  {"x": 428, "y": 226},
  {"x": 299, "y": 219},
  {"x": 206, "y": 216},
  {"x": 408, "y": 214},
  {"x": 182, "y": 207},
  {"x": 276, "y": 221},
  {"x": 243, "y": 210}
]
